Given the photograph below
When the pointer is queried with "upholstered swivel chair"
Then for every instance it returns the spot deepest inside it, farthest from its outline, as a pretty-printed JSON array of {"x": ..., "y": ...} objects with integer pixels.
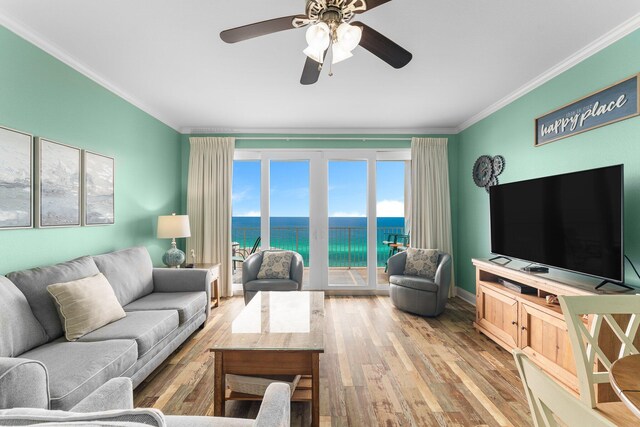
[
  {"x": 251, "y": 285},
  {"x": 416, "y": 294}
]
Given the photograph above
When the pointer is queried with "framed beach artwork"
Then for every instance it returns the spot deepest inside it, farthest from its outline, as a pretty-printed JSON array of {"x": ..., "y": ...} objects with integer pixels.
[
  {"x": 98, "y": 189},
  {"x": 57, "y": 185},
  {"x": 16, "y": 179}
]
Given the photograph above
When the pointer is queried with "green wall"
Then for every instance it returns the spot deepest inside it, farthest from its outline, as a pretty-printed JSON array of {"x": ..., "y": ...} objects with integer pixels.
[
  {"x": 510, "y": 132},
  {"x": 42, "y": 96}
]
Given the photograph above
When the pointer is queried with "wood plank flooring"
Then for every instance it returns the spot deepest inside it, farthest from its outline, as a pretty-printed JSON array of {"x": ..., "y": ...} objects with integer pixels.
[{"x": 381, "y": 367}]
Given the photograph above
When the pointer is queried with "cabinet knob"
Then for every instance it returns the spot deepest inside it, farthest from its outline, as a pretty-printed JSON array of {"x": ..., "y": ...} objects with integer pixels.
[
  {"x": 524, "y": 328},
  {"x": 513, "y": 322}
]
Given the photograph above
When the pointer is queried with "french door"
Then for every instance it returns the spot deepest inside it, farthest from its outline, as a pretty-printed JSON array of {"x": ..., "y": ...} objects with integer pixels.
[{"x": 322, "y": 204}]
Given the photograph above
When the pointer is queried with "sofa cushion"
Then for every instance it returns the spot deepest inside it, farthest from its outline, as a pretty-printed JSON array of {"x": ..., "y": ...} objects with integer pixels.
[
  {"x": 85, "y": 305},
  {"x": 78, "y": 368},
  {"x": 414, "y": 282},
  {"x": 271, "y": 285},
  {"x": 187, "y": 304},
  {"x": 19, "y": 329},
  {"x": 33, "y": 284},
  {"x": 129, "y": 271},
  {"x": 147, "y": 328}
]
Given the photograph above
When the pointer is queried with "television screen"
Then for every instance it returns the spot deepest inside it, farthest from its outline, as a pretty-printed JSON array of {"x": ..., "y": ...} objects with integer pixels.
[{"x": 572, "y": 221}]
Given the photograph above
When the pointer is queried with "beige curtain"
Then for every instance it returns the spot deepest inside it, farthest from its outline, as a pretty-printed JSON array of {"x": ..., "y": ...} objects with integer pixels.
[
  {"x": 430, "y": 199},
  {"x": 209, "y": 204}
]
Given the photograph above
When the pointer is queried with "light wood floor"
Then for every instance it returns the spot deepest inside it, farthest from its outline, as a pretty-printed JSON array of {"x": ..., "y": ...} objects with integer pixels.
[{"x": 381, "y": 367}]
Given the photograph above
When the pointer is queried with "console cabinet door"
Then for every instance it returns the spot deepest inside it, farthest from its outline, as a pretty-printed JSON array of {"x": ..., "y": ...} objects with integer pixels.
[
  {"x": 545, "y": 339},
  {"x": 498, "y": 314}
]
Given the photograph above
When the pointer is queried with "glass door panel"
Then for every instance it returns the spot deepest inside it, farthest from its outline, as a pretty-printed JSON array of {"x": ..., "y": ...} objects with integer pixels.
[
  {"x": 289, "y": 208},
  {"x": 347, "y": 234},
  {"x": 390, "y": 206},
  {"x": 245, "y": 221}
]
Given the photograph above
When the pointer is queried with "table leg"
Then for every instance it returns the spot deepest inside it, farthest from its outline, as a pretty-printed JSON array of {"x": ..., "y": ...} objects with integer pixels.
[
  {"x": 315, "y": 389},
  {"x": 215, "y": 293},
  {"x": 219, "y": 385}
]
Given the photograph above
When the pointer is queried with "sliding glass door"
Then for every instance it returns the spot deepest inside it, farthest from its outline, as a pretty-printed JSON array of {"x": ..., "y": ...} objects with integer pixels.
[
  {"x": 348, "y": 224},
  {"x": 335, "y": 208},
  {"x": 289, "y": 207}
]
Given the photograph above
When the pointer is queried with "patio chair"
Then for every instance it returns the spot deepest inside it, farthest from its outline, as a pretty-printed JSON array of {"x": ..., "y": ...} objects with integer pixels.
[
  {"x": 242, "y": 254},
  {"x": 548, "y": 401}
]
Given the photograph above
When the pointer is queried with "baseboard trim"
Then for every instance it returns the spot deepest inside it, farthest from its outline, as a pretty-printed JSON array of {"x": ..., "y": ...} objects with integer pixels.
[{"x": 465, "y": 295}]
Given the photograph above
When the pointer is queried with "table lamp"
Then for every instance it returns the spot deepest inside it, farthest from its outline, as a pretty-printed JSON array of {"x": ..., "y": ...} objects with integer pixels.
[{"x": 172, "y": 227}]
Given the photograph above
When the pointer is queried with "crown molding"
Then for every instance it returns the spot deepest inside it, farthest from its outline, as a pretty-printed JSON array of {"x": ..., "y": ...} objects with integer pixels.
[
  {"x": 599, "y": 44},
  {"x": 592, "y": 48},
  {"x": 60, "y": 54},
  {"x": 199, "y": 130}
]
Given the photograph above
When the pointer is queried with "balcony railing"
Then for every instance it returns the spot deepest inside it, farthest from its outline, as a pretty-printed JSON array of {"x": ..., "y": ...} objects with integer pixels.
[{"x": 347, "y": 245}]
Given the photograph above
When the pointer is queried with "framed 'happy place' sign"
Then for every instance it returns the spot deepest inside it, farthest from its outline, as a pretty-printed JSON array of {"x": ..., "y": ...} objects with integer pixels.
[{"x": 612, "y": 104}]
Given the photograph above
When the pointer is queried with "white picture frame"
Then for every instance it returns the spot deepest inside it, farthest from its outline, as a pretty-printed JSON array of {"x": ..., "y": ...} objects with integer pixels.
[
  {"x": 16, "y": 179},
  {"x": 58, "y": 184},
  {"x": 98, "y": 194}
]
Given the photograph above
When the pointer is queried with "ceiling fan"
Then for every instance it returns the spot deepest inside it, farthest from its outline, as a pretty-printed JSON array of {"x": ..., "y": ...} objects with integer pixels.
[{"x": 330, "y": 28}]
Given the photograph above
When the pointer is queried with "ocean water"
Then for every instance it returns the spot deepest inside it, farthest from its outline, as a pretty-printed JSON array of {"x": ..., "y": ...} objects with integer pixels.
[{"x": 347, "y": 237}]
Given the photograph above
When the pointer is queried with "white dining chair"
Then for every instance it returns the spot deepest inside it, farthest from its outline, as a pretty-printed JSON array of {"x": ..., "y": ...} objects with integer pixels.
[{"x": 550, "y": 403}]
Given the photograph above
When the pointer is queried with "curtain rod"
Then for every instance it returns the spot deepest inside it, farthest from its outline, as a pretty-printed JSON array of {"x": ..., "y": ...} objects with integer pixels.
[{"x": 320, "y": 138}]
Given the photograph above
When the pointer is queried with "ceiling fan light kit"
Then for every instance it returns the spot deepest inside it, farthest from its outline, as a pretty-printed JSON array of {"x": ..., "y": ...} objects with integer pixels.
[{"x": 330, "y": 27}]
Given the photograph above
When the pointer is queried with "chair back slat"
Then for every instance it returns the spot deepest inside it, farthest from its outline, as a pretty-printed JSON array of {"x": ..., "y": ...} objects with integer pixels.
[
  {"x": 585, "y": 342},
  {"x": 548, "y": 401}
]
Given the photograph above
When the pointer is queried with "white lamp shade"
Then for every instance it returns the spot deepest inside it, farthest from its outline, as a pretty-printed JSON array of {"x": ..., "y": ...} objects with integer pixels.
[
  {"x": 339, "y": 53},
  {"x": 315, "y": 54},
  {"x": 173, "y": 226},
  {"x": 349, "y": 36},
  {"x": 318, "y": 36}
]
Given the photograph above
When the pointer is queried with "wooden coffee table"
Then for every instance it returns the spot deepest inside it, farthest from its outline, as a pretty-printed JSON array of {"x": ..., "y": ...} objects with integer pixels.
[{"x": 277, "y": 333}]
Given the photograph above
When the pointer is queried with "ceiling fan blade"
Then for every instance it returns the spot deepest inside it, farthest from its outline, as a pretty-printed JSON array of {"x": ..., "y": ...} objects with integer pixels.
[
  {"x": 382, "y": 47},
  {"x": 310, "y": 72},
  {"x": 258, "y": 29},
  {"x": 370, "y": 4}
]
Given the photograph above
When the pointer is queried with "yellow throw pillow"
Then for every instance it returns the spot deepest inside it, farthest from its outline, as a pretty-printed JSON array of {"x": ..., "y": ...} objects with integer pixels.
[{"x": 85, "y": 305}]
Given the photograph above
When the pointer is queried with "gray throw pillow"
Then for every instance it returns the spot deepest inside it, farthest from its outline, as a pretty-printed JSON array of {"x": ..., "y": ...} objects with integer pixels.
[
  {"x": 275, "y": 265},
  {"x": 421, "y": 262}
]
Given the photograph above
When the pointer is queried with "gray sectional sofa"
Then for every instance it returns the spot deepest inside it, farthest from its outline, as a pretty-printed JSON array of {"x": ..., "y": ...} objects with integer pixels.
[{"x": 40, "y": 368}]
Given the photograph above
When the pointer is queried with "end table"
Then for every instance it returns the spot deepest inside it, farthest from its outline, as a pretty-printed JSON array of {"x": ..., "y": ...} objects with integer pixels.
[{"x": 215, "y": 281}]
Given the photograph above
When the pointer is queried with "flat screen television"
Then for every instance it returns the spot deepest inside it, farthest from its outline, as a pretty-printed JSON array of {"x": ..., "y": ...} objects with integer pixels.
[{"x": 572, "y": 221}]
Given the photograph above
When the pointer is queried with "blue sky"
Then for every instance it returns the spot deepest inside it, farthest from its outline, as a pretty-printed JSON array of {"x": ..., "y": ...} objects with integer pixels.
[{"x": 290, "y": 188}]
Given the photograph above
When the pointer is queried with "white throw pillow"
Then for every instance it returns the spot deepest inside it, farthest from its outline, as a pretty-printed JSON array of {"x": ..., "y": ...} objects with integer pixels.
[
  {"x": 275, "y": 265},
  {"x": 85, "y": 305},
  {"x": 421, "y": 262}
]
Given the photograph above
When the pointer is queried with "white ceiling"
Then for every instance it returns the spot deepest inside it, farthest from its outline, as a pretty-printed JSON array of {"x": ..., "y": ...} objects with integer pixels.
[{"x": 166, "y": 57}]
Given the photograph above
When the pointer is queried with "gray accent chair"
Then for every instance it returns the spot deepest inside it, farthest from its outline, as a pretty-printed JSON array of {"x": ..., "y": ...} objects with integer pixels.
[
  {"x": 164, "y": 307},
  {"x": 251, "y": 285},
  {"x": 112, "y": 404},
  {"x": 419, "y": 295}
]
